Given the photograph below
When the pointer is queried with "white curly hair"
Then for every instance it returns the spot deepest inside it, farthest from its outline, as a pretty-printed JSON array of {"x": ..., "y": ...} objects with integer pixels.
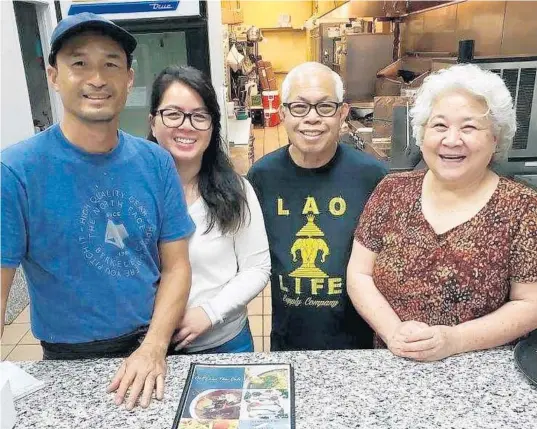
[
  {"x": 480, "y": 83},
  {"x": 310, "y": 68}
]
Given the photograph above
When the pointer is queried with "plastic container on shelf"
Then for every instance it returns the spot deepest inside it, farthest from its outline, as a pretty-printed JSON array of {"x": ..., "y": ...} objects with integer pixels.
[
  {"x": 241, "y": 113},
  {"x": 272, "y": 117},
  {"x": 270, "y": 100}
]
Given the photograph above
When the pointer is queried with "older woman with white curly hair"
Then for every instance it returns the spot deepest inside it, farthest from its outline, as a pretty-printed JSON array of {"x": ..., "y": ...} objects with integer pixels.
[{"x": 444, "y": 261}]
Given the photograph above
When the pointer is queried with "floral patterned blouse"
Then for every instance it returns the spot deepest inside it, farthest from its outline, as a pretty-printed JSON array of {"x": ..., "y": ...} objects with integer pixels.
[{"x": 456, "y": 276}]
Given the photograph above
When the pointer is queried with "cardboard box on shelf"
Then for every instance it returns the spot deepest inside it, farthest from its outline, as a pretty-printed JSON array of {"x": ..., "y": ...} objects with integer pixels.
[
  {"x": 383, "y": 27},
  {"x": 232, "y": 16},
  {"x": 273, "y": 85},
  {"x": 271, "y": 78},
  {"x": 261, "y": 72},
  {"x": 405, "y": 73},
  {"x": 266, "y": 76}
]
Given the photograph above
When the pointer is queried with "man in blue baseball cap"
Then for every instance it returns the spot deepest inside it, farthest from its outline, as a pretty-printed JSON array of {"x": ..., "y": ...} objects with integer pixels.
[
  {"x": 84, "y": 22},
  {"x": 97, "y": 219}
]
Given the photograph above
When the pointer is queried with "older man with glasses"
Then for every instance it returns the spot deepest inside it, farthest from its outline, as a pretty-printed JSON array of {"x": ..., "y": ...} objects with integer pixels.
[{"x": 312, "y": 193}]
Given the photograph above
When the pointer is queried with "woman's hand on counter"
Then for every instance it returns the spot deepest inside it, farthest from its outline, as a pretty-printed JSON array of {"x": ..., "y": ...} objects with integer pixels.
[
  {"x": 195, "y": 323},
  {"x": 402, "y": 331},
  {"x": 143, "y": 372},
  {"x": 421, "y": 342}
]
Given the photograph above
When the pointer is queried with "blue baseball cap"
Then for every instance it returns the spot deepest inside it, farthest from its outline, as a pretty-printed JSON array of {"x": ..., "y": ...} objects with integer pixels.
[{"x": 87, "y": 21}]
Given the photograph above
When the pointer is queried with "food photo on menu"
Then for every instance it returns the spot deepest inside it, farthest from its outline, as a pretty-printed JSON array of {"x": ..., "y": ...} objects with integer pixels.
[{"x": 237, "y": 397}]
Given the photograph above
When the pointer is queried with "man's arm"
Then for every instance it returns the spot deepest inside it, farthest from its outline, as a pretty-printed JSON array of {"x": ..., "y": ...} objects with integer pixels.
[
  {"x": 145, "y": 369},
  {"x": 172, "y": 294},
  {"x": 14, "y": 219},
  {"x": 7, "y": 279}
]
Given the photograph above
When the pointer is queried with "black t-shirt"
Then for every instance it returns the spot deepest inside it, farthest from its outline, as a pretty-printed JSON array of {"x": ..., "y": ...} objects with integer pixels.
[{"x": 310, "y": 216}]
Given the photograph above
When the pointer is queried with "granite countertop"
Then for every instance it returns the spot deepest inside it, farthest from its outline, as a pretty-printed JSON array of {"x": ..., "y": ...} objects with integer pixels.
[{"x": 334, "y": 390}]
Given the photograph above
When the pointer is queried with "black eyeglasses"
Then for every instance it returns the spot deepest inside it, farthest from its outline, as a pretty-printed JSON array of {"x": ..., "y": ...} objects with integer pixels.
[
  {"x": 173, "y": 118},
  {"x": 326, "y": 109}
]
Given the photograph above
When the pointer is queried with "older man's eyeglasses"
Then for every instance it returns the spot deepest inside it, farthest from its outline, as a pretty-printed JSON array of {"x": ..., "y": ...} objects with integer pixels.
[
  {"x": 325, "y": 109},
  {"x": 174, "y": 118}
]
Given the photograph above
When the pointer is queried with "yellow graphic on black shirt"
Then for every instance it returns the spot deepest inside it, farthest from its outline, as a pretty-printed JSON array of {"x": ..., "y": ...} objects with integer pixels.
[{"x": 309, "y": 244}]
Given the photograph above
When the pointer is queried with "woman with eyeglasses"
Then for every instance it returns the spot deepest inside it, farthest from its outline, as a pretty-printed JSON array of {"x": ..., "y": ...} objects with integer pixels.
[{"x": 229, "y": 251}]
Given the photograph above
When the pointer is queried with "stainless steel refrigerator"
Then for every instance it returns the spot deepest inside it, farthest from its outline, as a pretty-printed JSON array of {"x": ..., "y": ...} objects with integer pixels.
[{"x": 362, "y": 56}]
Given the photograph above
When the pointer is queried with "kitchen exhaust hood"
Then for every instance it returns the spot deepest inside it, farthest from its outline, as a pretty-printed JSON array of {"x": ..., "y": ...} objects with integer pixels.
[
  {"x": 353, "y": 9},
  {"x": 356, "y": 9}
]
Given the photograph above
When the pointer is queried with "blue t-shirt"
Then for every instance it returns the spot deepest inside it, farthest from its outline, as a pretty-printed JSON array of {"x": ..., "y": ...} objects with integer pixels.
[{"x": 86, "y": 228}]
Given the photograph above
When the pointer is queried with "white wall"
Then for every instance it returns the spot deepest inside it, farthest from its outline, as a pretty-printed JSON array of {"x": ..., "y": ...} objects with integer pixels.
[
  {"x": 16, "y": 117},
  {"x": 16, "y": 114}
]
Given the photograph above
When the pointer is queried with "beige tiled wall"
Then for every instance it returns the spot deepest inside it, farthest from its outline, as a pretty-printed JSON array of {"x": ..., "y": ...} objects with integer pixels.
[
  {"x": 260, "y": 316},
  {"x": 18, "y": 343}
]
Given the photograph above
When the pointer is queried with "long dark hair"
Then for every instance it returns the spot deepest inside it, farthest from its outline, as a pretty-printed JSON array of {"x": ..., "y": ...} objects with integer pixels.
[{"x": 219, "y": 185}]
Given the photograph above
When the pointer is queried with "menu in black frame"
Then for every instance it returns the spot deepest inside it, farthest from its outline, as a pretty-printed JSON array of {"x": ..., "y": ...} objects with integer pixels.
[{"x": 237, "y": 397}]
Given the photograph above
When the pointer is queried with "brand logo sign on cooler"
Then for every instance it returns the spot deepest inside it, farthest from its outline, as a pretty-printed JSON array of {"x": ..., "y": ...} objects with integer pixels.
[{"x": 132, "y": 9}]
